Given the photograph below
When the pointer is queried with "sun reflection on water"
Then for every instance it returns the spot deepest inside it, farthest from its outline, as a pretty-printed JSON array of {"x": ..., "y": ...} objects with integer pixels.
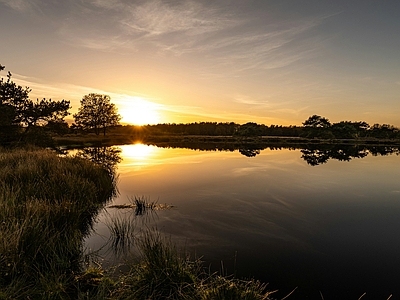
[{"x": 138, "y": 155}]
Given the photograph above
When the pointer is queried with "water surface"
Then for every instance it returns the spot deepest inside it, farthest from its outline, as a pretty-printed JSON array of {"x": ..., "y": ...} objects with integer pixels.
[{"x": 332, "y": 227}]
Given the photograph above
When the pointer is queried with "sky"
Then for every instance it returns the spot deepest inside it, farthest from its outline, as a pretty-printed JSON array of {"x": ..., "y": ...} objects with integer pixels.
[{"x": 264, "y": 61}]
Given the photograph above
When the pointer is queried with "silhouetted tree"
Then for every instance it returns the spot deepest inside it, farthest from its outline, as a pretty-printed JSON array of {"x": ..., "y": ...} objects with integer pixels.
[
  {"x": 344, "y": 130},
  {"x": 383, "y": 131},
  {"x": 317, "y": 126},
  {"x": 43, "y": 111},
  {"x": 250, "y": 129},
  {"x": 58, "y": 127},
  {"x": 361, "y": 126},
  {"x": 348, "y": 129},
  {"x": 316, "y": 121},
  {"x": 97, "y": 113},
  {"x": 19, "y": 114}
]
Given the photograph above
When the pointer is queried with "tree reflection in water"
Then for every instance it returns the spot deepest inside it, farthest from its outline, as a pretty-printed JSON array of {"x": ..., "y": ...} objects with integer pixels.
[
  {"x": 107, "y": 157},
  {"x": 313, "y": 154},
  {"x": 249, "y": 152},
  {"x": 316, "y": 155}
]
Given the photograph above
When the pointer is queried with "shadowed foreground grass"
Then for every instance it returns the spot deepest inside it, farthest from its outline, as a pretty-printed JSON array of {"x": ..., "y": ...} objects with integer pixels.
[
  {"x": 48, "y": 205},
  {"x": 162, "y": 273}
]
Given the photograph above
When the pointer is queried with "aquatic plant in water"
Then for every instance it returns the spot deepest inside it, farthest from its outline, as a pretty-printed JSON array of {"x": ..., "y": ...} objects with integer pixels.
[{"x": 141, "y": 205}]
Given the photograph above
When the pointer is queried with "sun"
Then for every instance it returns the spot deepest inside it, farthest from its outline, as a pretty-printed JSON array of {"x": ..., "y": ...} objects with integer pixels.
[{"x": 138, "y": 111}]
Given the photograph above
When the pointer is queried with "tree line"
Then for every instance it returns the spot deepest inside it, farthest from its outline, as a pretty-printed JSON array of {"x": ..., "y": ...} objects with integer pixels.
[
  {"x": 31, "y": 121},
  {"x": 314, "y": 127}
]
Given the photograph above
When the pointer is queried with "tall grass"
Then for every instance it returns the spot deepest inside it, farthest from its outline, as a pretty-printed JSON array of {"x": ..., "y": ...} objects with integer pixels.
[
  {"x": 47, "y": 205},
  {"x": 43, "y": 175}
]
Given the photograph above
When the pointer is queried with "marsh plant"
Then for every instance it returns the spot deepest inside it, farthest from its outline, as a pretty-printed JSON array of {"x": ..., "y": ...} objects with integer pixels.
[
  {"x": 122, "y": 233},
  {"x": 161, "y": 272},
  {"x": 164, "y": 272},
  {"x": 141, "y": 205},
  {"x": 124, "y": 225}
]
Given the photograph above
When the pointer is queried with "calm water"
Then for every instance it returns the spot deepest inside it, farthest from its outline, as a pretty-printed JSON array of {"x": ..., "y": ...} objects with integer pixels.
[{"x": 333, "y": 227}]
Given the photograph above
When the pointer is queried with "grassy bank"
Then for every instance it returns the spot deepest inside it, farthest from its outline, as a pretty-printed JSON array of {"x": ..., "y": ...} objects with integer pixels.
[{"x": 47, "y": 206}]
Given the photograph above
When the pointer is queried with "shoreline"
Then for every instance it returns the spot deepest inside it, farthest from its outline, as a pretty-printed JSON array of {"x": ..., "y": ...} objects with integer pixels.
[{"x": 162, "y": 140}]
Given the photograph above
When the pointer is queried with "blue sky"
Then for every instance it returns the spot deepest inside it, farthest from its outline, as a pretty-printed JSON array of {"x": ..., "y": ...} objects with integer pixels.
[{"x": 271, "y": 62}]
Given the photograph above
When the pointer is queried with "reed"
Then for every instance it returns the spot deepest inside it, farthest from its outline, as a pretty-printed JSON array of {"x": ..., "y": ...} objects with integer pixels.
[{"x": 122, "y": 233}]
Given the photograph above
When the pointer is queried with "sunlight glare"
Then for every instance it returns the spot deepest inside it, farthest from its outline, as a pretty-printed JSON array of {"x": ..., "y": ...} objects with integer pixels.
[
  {"x": 138, "y": 111},
  {"x": 137, "y": 151},
  {"x": 137, "y": 156}
]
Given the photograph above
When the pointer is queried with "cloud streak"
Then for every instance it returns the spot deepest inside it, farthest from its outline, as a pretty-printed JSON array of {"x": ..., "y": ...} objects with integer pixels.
[
  {"x": 20, "y": 5},
  {"x": 225, "y": 39},
  {"x": 153, "y": 22},
  {"x": 188, "y": 27},
  {"x": 156, "y": 18}
]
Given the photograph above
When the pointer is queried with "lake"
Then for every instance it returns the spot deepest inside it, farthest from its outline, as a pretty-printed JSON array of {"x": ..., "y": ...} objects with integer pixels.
[{"x": 289, "y": 217}]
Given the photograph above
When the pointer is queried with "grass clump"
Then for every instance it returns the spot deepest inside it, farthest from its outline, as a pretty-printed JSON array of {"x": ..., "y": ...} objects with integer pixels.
[
  {"x": 163, "y": 273},
  {"x": 141, "y": 205},
  {"x": 220, "y": 287}
]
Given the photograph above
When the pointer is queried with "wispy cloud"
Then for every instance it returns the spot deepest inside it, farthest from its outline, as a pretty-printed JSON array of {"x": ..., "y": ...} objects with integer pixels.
[
  {"x": 107, "y": 4},
  {"x": 19, "y": 5},
  {"x": 254, "y": 50},
  {"x": 155, "y": 18},
  {"x": 111, "y": 43},
  {"x": 224, "y": 39},
  {"x": 248, "y": 100},
  {"x": 131, "y": 24}
]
